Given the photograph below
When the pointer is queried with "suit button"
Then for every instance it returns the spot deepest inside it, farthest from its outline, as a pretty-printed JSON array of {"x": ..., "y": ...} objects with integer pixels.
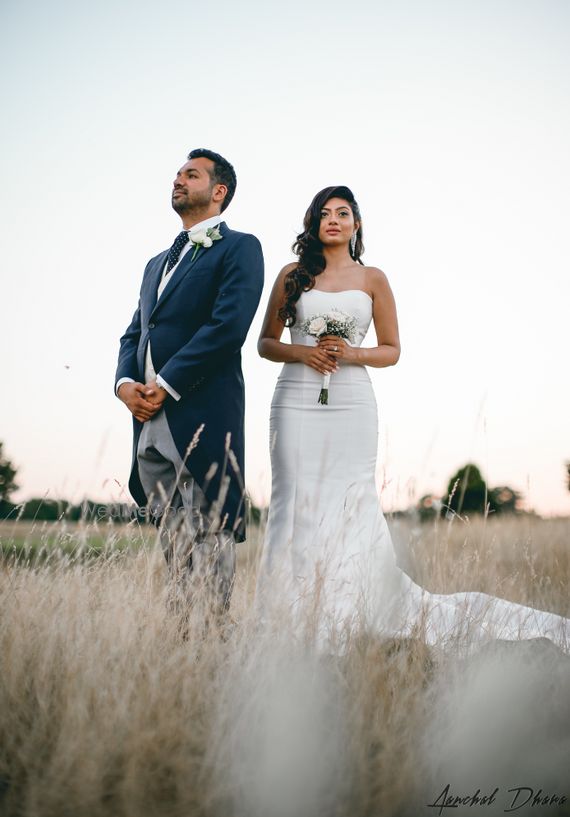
[{"x": 151, "y": 326}]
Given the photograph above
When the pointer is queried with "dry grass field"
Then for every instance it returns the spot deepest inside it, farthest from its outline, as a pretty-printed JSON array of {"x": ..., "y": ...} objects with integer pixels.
[{"x": 105, "y": 711}]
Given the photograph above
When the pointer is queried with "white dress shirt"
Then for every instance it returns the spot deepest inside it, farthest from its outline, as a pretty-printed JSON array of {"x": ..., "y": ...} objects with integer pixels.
[{"x": 149, "y": 371}]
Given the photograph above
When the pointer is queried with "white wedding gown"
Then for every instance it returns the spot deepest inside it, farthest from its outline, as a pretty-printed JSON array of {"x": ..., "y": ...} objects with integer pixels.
[{"x": 327, "y": 546}]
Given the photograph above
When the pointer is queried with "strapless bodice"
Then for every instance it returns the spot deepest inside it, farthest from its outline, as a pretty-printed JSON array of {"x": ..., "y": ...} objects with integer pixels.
[{"x": 355, "y": 302}]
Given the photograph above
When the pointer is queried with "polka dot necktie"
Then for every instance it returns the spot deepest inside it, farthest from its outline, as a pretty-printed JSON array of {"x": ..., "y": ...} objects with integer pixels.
[{"x": 174, "y": 252}]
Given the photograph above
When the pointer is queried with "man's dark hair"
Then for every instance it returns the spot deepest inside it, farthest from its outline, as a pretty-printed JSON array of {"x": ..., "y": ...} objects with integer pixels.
[{"x": 223, "y": 172}]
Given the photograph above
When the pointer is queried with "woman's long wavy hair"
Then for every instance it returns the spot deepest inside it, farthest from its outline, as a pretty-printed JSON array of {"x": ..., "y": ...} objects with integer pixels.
[{"x": 309, "y": 248}]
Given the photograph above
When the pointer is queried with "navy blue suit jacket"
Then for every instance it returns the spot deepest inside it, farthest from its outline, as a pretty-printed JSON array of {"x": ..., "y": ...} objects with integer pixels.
[{"x": 197, "y": 329}]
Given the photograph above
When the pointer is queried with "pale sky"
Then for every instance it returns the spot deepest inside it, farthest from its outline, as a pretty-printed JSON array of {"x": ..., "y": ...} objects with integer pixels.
[{"x": 449, "y": 119}]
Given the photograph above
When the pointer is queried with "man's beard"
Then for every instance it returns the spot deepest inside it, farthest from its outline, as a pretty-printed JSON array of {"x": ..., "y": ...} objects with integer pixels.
[{"x": 182, "y": 204}]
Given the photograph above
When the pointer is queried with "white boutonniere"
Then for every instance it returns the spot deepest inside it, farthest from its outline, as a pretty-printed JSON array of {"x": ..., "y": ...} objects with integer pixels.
[{"x": 204, "y": 238}]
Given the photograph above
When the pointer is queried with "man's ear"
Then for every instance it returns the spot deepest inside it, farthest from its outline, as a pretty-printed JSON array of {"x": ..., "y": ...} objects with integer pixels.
[{"x": 219, "y": 193}]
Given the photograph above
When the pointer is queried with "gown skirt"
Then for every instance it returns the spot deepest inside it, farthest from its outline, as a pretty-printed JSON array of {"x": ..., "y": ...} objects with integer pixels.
[{"x": 327, "y": 547}]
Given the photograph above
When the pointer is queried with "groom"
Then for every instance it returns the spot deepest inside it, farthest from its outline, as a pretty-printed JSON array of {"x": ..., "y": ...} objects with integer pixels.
[{"x": 179, "y": 374}]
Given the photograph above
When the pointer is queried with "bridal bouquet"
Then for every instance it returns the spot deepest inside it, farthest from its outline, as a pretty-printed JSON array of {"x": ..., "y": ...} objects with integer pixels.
[{"x": 335, "y": 323}]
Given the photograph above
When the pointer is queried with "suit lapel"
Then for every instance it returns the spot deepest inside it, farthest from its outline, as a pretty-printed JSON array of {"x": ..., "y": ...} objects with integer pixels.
[
  {"x": 154, "y": 280},
  {"x": 190, "y": 261}
]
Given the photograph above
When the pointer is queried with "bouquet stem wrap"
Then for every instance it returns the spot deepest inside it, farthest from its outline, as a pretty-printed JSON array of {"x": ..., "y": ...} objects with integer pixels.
[{"x": 324, "y": 395}]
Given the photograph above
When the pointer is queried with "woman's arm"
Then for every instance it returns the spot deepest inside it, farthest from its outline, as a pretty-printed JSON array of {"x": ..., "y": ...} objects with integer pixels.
[
  {"x": 385, "y": 319},
  {"x": 270, "y": 345}
]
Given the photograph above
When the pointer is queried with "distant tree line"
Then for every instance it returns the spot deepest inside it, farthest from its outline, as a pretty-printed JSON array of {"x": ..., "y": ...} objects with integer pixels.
[
  {"x": 7, "y": 481},
  {"x": 52, "y": 510},
  {"x": 468, "y": 493}
]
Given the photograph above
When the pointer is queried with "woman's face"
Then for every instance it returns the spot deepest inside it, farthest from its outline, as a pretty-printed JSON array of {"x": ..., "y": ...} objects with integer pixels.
[{"x": 337, "y": 223}]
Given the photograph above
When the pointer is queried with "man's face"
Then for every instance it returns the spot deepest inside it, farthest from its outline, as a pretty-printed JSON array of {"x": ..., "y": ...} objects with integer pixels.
[{"x": 192, "y": 187}]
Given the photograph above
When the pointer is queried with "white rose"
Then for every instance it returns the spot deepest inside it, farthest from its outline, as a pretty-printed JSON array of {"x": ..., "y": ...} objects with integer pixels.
[
  {"x": 199, "y": 237},
  {"x": 207, "y": 242},
  {"x": 317, "y": 326},
  {"x": 336, "y": 316}
]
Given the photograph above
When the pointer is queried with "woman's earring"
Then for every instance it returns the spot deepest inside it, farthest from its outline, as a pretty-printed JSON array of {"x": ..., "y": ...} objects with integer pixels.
[{"x": 353, "y": 243}]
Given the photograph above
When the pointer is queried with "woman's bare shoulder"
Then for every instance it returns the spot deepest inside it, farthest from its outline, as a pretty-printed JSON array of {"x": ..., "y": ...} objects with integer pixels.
[
  {"x": 279, "y": 283},
  {"x": 288, "y": 268},
  {"x": 376, "y": 278}
]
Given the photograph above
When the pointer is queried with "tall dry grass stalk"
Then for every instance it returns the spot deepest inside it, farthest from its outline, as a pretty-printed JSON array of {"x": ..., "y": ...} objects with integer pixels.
[{"x": 106, "y": 711}]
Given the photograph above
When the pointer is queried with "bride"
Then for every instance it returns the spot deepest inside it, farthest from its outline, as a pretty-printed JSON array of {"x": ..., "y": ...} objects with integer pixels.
[{"x": 327, "y": 546}]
